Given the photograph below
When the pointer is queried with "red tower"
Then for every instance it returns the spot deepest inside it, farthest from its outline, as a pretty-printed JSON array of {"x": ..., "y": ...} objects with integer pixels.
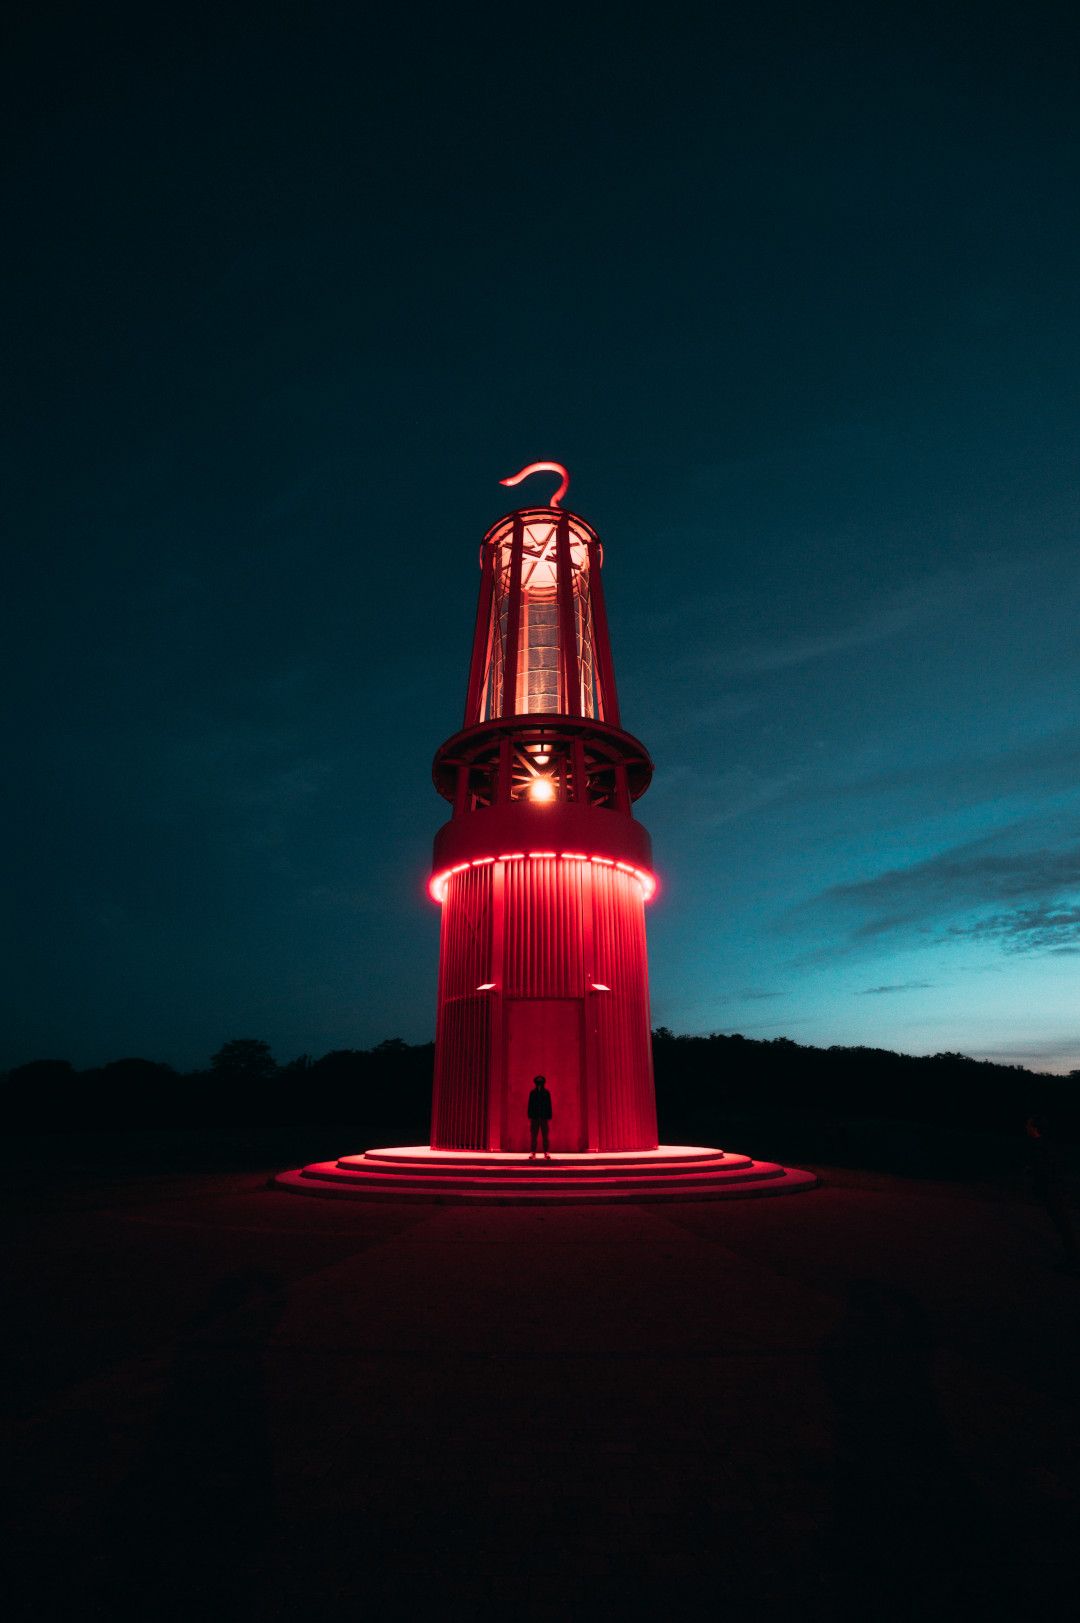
[{"x": 543, "y": 871}]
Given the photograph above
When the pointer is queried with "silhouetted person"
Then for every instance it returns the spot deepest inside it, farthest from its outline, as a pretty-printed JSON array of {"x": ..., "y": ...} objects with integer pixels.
[
  {"x": 539, "y": 1115},
  {"x": 1044, "y": 1172}
]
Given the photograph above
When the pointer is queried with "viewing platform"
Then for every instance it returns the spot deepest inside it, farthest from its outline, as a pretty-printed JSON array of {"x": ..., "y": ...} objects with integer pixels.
[{"x": 468, "y": 1177}]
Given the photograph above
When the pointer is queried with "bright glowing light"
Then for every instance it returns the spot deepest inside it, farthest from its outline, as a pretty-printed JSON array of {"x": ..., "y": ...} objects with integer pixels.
[
  {"x": 647, "y": 881},
  {"x": 542, "y": 467},
  {"x": 486, "y": 986},
  {"x": 542, "y": 790},
  {"x": 573, "y": 856},
  {"x": 535, "y": 854},
  {"x": 598, "y": 986},
  {"x": 605, "y": 862},
  {"x": 541, "y": 757}
]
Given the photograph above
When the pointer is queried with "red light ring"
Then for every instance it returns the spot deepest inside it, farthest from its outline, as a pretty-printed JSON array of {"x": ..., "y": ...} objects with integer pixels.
[{"x": 439, "y": 881}]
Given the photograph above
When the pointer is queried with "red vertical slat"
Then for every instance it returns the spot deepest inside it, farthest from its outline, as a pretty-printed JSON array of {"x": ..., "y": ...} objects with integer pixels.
[
  {"x": 513, "y": 620},
  {"x": 605, "y": 668},
  {"x": 464, "y": 1015},
  {"x": 482, "y": 639},
  {"x": 568, "y": 652}
]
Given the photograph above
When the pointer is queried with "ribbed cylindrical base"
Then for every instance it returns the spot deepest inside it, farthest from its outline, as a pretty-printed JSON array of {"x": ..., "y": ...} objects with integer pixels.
[{"x": 543, "y": 970}]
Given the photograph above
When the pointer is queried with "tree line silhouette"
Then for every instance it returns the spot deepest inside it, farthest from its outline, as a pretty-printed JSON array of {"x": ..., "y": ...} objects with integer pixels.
[
  {"x": 819, "y": 1102},
  {"x": 734, "y": 1072}
]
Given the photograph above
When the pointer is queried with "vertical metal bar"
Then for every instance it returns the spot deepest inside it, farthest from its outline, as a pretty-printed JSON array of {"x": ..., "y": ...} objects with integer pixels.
[
  {"x": 568, "y": 652},
  {"x": 581, "y": 782},
  {"x": 605, "y": 669},
  {"x": 461, "y": 791},
  {"x": 438, "y": 1095},
  {"x": 645, "y": 1020},
  {"x": 622, "y": 788},
  {"x": 513, "y": 620},
  {"x": 496, "y": 1006},
  {"x": 591, "y": 1010},
  {"x": 506, "y": 762},
  {"x": 481, "y": 649}
]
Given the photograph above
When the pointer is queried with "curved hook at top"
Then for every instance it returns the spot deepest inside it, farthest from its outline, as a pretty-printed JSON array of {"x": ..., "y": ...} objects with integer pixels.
[{"x": 543, "y": 467}]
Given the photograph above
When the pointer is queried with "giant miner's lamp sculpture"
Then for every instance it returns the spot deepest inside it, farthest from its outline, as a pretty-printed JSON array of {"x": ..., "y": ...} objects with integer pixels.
[{"x": 542, "y": 874}]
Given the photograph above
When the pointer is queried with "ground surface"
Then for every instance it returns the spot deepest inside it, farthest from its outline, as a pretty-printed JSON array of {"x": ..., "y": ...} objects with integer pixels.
[{"x": 228, "y": 1400}]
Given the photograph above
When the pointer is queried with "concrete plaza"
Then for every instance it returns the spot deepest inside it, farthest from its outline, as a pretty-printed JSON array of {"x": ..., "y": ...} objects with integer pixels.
[{"x": 230, "y": 1401}]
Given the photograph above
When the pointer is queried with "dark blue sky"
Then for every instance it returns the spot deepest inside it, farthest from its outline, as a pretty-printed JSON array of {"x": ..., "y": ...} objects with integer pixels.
[{"x": 795, "y": 298}]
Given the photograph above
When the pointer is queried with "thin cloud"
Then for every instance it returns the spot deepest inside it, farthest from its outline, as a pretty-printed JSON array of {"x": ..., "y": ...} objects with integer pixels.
[
  {"x": 1042, "y": 928},
  {"x": 1049, "y": 763},
  {"x": 1063, "y": 1051},
  {"x": 919, "y": 603},
  {"x": 762, "y": 658},
  {"x": 769, "y": 1026},
  {"x": 997, "y": 889},
  {"x": 969, "y": 873},
  {"x": 899, "y": 986},
  {"x": 710, "y": 799}
]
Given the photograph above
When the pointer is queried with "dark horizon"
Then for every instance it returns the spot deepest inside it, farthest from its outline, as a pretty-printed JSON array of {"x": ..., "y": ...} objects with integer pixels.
[
  {"x": 279, "y": 1064},
  {"x": 794, "y": 298}
]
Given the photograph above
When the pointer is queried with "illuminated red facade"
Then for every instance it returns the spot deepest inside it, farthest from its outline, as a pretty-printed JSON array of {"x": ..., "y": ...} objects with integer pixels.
[{"x": 543, "y": 871}]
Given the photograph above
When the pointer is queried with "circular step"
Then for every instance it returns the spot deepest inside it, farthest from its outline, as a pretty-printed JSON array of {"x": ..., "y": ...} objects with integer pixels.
[{"x": 416, "y": 1173}]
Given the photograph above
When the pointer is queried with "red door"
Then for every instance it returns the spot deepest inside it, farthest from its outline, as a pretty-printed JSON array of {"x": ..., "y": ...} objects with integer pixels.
[{"x": 544, "y": 1037}]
